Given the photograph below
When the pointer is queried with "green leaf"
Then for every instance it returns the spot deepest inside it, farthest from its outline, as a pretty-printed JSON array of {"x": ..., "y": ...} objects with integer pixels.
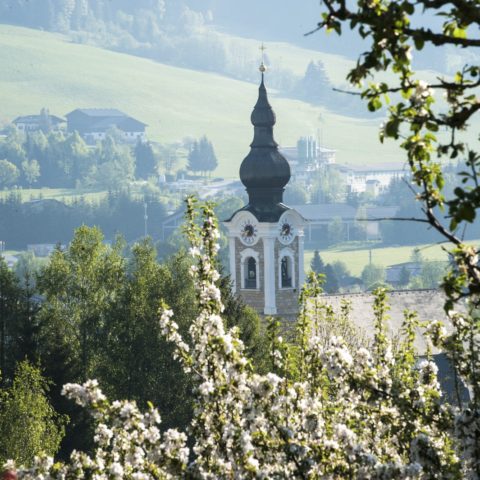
[
  {"x": 419, "y": 43},
  {"x": 408, "y": 8},
  {"x": 459, "y": 33},
  {"x": 467, "y": 212}
]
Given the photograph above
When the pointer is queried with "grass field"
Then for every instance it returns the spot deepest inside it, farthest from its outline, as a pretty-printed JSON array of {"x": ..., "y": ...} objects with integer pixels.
[
  {"x": 46, "y": 70},
  {"x": 62, "y": 194},
  {"x": 357, "y": 259}
]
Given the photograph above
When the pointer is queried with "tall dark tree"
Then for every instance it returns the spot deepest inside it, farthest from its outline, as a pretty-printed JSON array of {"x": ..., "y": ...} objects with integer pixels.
[
  {"x": 331, "y": 280},
  {"x": 9, "y": 303},
  {"x": 194, "y": 158},
  {"x": 317, "y": 264},
  {"x": 145, "y": 160},
  {"x": 315, "y": 86},
  {"x": 202, "y": 156},
  {"x": 209, "y": 160}
]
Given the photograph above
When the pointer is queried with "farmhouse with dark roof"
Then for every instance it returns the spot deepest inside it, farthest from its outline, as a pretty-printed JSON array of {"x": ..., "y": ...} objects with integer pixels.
[{"x": 94, "y": 123}]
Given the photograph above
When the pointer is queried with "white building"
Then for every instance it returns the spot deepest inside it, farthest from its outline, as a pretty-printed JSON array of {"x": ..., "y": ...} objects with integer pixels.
[
  {"x": 374, "y": 178},
  {"x": 306, "y": 158}
]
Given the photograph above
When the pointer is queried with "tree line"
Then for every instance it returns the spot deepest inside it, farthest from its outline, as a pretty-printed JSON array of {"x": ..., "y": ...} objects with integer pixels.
[
  {"x": 52, "y": 221},
  {"x": 47, "y": 158}
]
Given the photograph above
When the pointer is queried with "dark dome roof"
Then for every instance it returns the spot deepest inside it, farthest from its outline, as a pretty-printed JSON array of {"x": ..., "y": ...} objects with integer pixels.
[
  {"x": 264, "y": 171},
  {"x": 265, "y": 168}
]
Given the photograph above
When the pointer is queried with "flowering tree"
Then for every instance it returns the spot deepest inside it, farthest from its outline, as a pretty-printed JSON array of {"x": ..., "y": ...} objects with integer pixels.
[
  {"x": 430, "y": 119},
  {"x": 328, "y": 411}
]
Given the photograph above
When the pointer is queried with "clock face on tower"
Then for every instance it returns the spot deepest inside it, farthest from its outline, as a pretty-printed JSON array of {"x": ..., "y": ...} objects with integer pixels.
[
  {"x": 286, "y": 232},
  {"x": 248, "y": 233}
]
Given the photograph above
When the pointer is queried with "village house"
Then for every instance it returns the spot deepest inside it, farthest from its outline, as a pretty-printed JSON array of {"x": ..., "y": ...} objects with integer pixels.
[
  {"x": 34, "y": 123},
  {"x": 374, "y": 178},
  {"x": 93, "y": 124}
]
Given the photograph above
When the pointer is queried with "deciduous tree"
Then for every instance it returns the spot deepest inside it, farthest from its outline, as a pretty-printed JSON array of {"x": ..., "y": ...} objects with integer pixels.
[
  {"x": 28, "y": 424},
  {"x": 9, "y": 173}
]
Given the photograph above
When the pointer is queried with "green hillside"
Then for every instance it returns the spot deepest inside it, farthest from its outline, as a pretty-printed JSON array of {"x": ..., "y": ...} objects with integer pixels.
[{"x": 43, "y": 69}]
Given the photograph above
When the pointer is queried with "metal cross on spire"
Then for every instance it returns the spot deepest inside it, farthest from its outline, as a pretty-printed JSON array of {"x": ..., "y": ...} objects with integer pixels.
[{"x": 263, "y": 68}]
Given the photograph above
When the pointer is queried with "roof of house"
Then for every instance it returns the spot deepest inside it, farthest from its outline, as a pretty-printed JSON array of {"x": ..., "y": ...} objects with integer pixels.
[
  {"x": 373, "y": 167},
  {"x": 329, "y": 211},
  {"x": 36, "y": 119},
  {"x": 326, "y": 211},
  {"x": 104, "y": 118},
  {"x": 99, "y": 112}
]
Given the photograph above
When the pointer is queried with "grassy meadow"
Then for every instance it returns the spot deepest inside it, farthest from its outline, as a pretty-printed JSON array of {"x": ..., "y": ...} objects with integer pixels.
[
  {"x": 62, "y": 194},
  {"x": 47, "y": 70}
]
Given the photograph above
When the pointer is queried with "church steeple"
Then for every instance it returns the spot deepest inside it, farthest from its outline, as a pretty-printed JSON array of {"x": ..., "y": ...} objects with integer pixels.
[
  {"x": 265, "y": 172},
  {"x": 265, "y": 237}
]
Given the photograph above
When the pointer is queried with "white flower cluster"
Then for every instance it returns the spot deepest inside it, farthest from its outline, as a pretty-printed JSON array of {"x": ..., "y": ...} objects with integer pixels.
[
  {"x": 350, "y": 414},
  {"x": 421, "y": 93},
  {"x": 129, "y": 444}
]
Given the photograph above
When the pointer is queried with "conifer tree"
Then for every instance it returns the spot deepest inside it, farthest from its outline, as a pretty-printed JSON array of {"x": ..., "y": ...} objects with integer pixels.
[
  {"x": 145, "y": 161},
  {"x": 317, "y": 264},
  {"x": 202, "y": 156}
]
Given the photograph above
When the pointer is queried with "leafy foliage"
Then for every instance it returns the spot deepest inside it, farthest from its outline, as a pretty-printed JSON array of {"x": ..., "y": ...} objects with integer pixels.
[
  {"x": 8, "y": 173},
  {"x": 372, "y": 276},
  {"x": 28, "y": 423}
]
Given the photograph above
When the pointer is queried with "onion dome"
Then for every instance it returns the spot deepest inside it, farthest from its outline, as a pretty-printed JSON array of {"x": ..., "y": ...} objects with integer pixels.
[{"x": 265, "y": 171}]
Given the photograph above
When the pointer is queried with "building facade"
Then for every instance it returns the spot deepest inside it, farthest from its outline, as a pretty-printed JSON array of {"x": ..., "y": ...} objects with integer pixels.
[{"x": 266, "y": 236}]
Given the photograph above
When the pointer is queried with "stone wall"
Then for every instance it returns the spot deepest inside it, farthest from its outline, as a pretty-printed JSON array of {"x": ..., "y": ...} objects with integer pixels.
[{"x": 427, "y": 303}]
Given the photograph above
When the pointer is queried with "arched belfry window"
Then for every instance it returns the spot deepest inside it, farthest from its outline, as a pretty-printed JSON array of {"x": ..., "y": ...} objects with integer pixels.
[
  {"x": 286, "y": 273},
  {"x": 286, "y": 269},
  {"x": 251, "y": 273},
  {"x": 250, "y": 269}
]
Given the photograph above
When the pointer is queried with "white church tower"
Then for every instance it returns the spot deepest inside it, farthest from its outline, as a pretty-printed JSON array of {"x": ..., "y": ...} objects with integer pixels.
[{"x": 266, "y": 237}]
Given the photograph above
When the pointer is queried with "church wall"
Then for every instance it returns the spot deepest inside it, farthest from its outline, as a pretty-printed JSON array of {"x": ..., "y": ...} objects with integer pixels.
[{"x": 254, "y": 298}]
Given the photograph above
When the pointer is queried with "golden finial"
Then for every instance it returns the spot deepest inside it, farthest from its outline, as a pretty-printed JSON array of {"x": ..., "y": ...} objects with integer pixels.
[{"x": 262, "y": 67}]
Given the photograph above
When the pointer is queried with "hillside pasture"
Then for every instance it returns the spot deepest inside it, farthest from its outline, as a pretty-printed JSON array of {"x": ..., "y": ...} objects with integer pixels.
[{"x": 47, "y": 70}]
